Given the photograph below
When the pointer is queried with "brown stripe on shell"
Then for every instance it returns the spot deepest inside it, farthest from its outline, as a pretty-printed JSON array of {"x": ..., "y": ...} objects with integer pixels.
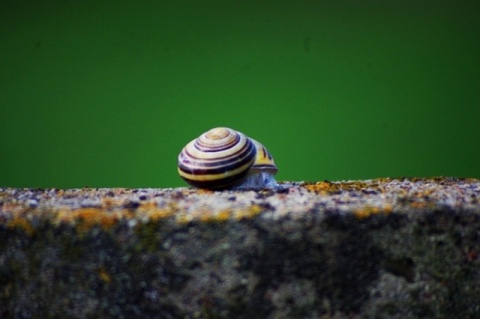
[
  {"x": 207, "y": 163},
  {"x": 198, "y": 166},
  {"x": 202, "y": 143}
]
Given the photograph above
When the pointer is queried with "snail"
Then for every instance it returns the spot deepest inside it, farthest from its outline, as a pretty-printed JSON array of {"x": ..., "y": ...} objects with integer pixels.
[{"x": 224, "y": 158}]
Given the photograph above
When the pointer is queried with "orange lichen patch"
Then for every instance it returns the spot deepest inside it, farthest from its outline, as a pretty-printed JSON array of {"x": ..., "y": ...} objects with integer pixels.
[
  {"x": 147, "y": 206},
  {"x": 320, "y": 187},
  {"x": 387, "y": 209},
  {"x": 86, "y": 218},
  {"x": 183, "y": 219},
  {"x": 327, "y": 187},
  {"x": 154, "y": 212},
  {"x": 14, "y": 208},
  {"x": 209, "y": 215},
  {"x": 108, "y": 203},
  {"x": 375, "y": 185},
  {"x": 104, "y": 275},
  {"x": 368, "y": 211},
  {"x": 21, "y": 223},
  {"x": 223, "y": 215},
  {"x": 422, "y": 204}
]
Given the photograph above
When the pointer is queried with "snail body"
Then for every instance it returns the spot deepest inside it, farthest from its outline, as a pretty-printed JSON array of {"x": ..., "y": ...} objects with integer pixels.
[{"x": 224, "y": 158}]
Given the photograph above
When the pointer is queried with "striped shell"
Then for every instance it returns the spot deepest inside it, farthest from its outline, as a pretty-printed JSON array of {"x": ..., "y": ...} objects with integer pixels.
[{"x": 224, "y": 158}]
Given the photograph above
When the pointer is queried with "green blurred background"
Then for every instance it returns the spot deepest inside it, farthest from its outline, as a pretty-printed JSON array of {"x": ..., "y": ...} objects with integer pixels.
[{"x": 106, "y": 93}]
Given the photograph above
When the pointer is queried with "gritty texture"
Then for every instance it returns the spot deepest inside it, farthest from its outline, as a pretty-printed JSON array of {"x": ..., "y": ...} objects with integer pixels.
[{"x": 384, "y": 248}]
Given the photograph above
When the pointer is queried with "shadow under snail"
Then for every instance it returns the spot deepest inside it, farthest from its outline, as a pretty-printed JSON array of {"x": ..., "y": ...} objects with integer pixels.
[{"x": 223, "y": 158}]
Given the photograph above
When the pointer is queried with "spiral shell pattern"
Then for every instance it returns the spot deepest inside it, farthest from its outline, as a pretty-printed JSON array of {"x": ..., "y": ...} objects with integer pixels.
[{"x": 218, "y": 159}]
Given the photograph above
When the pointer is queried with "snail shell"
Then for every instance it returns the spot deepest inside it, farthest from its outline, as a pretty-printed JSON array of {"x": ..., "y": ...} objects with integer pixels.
[{"x": 224, "y": 158}]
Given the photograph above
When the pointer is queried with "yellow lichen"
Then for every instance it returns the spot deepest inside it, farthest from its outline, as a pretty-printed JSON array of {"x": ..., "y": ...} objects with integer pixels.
[
  {"x": 368, "y": 211},
  {"x": 104, "y": 275},
  {"x": 21, "y": 223},
  {"x": 183, "y": 218},
  {"x": 320, "y": 187},
  {"x": 85, "y": 218},
  {"x": 422, "y": 204},
  {"x": 223, "y": 215},
  {"x": 209, "y": 216},
  {"x": 156, "y": 214},
  {"x": 387, "y": 209},
  {"x": 251, "y": 212}
]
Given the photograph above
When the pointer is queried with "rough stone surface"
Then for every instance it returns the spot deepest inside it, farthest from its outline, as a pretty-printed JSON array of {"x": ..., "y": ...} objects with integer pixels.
[{"x": 385, "y": 248}]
